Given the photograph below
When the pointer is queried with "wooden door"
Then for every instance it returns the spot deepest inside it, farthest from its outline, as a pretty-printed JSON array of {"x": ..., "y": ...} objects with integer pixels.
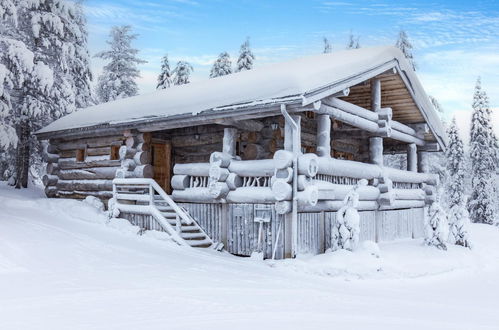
[{"x": 162, "y": 164}]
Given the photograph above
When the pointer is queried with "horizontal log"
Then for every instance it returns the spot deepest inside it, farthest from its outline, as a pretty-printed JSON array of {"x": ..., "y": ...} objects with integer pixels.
[
  {"x": 218, "y": 189},
  {"x": 196, "y": 139},
  {"x": 142, "y": 158},
  {"x": 262, "y": 167},
  {"x": 366, "y": 193},
  {"x": 144, "y": 171},
  {"x": 348, "y": 168},
  {"x": 283, "y": 207},
  {"x": 218, "y": 173},
  {"x": 71, "y": 163},
  {"x": 285, "y": 174},
  {"x": 336, "y": 205},
  {"x": 283, "y": 159},
  {"x": 50, "y": 158},
  {"x": 193, "y": 195},
  {"x": 307, "y": 197},
  {"x": 397, "y": 175},
  {"x": 50, "y": 191},
  {"x": 192, "y": 169},
  {"x": 85, "y": 185},
  {"x": 408, "y": 194},
  {"x": 52, "y": 168},
  {"x": 76, "y": 194},
  {"x": 49, "y": 180},
  {"x": 128, "y": 164},
  {"x": 127, "y": 152},
  {"x": 403, "y": 204},
  {"x": 234, "y": 181},
  {"x": 88, "y": 173},
  {"x": 180, "y": 182},
  {"x": 95, "y": 142},
  {"x": 251, "y": 195},
  {"x": 221, "y": 159},
  {"x": 282, "y": 190},
  {"x": 308, "y": 164}
]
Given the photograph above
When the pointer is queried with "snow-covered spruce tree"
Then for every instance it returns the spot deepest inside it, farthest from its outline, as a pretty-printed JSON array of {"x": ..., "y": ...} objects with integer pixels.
[
  {"x": 405, "y": 46},
  {"x": 353, "y": 43},
  {"x": 458, "y": 215},
  {"x": 246, "y": 58},
  {"x": 182, "y": 73},
  {"x": 436, "y": 227},
  {"x": 483, "y": 160},
  {"x": 117, "y": 79},
  {"x": 165, "y": 77},
  {"x": 47, "y": 36},
  {"x": 222, "y": 66},
  {"x": 327, "y": 46},
  {"x": 345, "y": 231}
]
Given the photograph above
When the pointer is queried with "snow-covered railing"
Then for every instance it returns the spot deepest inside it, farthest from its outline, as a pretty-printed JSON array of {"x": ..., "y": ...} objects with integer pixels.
[{"x": 143, "y": 192}]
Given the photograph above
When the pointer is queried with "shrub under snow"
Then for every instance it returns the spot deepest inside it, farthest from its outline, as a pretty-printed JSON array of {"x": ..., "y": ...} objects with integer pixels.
[
  {"x": 345, "y": 232},
  {"x": 436, "y": 227}
]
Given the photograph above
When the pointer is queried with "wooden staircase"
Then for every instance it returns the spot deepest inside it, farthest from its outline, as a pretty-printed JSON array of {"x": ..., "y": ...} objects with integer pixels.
[{"x": 146, "y": 197}]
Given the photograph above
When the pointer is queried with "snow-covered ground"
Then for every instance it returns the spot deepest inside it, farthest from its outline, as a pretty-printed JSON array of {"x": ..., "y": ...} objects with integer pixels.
[{"x": 63, "y": 267}]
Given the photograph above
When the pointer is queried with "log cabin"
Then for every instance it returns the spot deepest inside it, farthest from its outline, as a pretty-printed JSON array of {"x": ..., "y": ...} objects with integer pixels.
[{"x": 260, "y": 160}]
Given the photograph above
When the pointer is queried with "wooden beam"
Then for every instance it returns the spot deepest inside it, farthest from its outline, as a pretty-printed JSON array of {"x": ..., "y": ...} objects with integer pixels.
[
  {"x": 229, "y": 141},
  {"x": 376, "y": 143},
  {"x": 412, "y": 157},
  {"x": 244, "y": 125}
]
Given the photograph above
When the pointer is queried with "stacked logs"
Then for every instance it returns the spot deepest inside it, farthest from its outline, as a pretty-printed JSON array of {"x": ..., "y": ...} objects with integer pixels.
[
  {"x": 135, "y": 156},
  {"x": 385, "y": 186},
  {"x": 282, "y": 181},
  {"x": 51, "y": 156},
  {"x": 218, "y": 187}
]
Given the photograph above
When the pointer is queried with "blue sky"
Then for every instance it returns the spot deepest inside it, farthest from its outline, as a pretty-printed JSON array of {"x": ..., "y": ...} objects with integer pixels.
[{"x": 455, "y": 41}]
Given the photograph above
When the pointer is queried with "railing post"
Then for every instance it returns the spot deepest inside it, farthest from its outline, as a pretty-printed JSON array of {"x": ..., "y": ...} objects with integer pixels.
[{"x": 151, "y": 195}]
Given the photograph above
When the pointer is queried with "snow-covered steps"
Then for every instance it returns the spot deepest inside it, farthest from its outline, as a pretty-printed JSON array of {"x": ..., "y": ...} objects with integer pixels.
[{"x": 146, "y": 197}]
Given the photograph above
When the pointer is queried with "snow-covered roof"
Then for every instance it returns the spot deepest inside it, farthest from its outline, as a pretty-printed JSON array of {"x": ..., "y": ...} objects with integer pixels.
[{"x": 303, "y": 80}]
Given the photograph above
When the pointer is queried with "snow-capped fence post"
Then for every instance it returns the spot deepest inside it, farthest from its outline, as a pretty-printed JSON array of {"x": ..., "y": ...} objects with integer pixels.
[{"x": 345, "y": 231}]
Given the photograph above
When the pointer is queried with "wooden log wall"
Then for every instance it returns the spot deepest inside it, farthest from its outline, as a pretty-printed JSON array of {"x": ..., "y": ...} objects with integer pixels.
[{"x": 77, "y": 168}]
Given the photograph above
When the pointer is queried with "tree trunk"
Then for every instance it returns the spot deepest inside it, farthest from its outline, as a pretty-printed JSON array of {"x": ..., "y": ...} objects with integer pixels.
[{"x": 22, "y": 157}]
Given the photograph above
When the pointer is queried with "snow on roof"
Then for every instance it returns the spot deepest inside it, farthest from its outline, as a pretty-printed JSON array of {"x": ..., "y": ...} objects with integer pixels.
[{"x": 264, "y": 84}]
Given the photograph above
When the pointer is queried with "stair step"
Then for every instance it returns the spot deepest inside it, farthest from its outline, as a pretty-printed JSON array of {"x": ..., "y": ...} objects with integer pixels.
[
  {"x": 199, "y": 243},
  {"x": 192, "y": 235},
  {"x": 164, "y": 208}
]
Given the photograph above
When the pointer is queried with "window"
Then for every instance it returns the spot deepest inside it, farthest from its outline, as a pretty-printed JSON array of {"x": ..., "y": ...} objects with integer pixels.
[
  {"x": 115, "y": 153},
  {"x": 80, "y": 155}
]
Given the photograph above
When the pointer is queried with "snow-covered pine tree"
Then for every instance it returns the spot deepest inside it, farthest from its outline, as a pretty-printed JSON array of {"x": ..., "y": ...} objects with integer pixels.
[
  {"x": 327, "y": 46},
  {"x": 182, "y": 73},
  {"x": 222, "y": 66},
  {"x": 165, "y": 77},
  {"x": 483, "y": 159},
  {"x": 246, "y": 58},
  {"x": 118, "y": 77},
  {"x": 458, "y": 215},
  {"x": 436, "y": 227},
  {"x": 405, "y": 46}
]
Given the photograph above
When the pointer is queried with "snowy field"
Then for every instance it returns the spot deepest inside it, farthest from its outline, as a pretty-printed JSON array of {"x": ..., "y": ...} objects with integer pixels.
[{"x": 63, "y": 267}]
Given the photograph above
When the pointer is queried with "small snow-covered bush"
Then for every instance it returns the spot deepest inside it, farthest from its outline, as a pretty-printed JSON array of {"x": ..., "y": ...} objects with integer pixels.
[
  {"x": 345, "y": 232},
  {"x": 436, "y": 227},
  {"x": 113, "y": 212},
  {"x": 95, "y": 202},
  {"x": 458, "y": 226}
]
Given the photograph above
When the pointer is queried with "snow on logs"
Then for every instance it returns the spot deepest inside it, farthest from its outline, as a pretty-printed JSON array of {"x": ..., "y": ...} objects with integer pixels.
[
  {"x": 379, "y": 123},
  {"x": 135, "y": 157},
  {"x": 218, "y": 172}
]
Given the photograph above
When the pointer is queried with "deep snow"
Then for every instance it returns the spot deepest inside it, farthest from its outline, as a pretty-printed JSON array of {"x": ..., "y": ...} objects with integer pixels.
[{"x": 62, "y": 266}]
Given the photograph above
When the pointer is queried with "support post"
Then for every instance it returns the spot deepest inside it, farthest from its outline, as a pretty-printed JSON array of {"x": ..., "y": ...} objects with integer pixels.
[
  {"x": 292, "y": 130},
  {"x": 422, "y": 161},
  {"x": 376, "y": 143},
  {"x": 323, "y": 136},
  {"x": 229, "y": 141},
  {"x": 412, "y": 157}
]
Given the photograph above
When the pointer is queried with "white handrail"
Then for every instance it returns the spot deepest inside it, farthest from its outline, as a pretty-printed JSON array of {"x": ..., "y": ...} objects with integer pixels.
[{"x": 160, "y": 191}]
